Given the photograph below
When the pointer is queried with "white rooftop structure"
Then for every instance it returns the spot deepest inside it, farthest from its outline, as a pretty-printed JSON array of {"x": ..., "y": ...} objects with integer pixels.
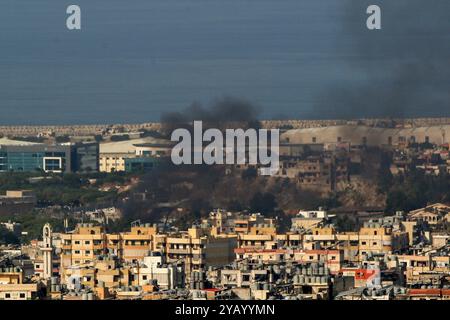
[
  {"x": 317, "y": 214},
  {"x": 127, "y": 146},
  {"x": 372, "y": 136}
]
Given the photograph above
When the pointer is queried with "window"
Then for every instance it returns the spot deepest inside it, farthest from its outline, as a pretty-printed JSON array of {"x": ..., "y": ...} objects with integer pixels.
[
  {"x": 22, "y": 295},
  {"x": 144, "y": 277},
  {"x": 87, "y": 242},
  {"x": 7, "y": 296},
  {"x": 363, "y": 243},
  {"x": 52, "y": 164},
  {"x": 77, "y": 242}
]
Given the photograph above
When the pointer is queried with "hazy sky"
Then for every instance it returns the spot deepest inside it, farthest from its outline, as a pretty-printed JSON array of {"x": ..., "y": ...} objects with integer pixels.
[{"x": 135, "y": 59}]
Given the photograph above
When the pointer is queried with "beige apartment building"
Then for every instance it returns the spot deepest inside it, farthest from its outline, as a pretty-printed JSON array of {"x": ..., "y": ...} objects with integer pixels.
[
  {"x": 89, "y": 241},
  {"x": 196, "y": 248},
  {"x": 382, "y": 240},
  {"x": 83, "y": 245},
  {"x": 12, "y": 286},
  {"x": 101, "y": 273},
  {"x": 113, "y": 162},
  {"x": 224, "y": 222},
  {"x": 333, "y": 259},
  {"x": 355, "y": 245},
  {"x": 133, "y": 245},
  {"x": 423, "y": 269}
]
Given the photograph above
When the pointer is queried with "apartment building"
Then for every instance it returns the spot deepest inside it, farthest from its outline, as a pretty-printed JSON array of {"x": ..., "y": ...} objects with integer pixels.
[
  {"x": 13, "y": 287},
  {"x": 313, "y": 172},
  {"x": 103, "y": 272},
  {"x": 308, "y": 219},
  {"x": 224, "y": 222},
  {"x": 88, "y": 241},
  {"x": 384, "y": 240},
  {"x": 15, "y": 201},
  {"x": 356, "y": 245},
  {"x": 432, "y": 214},
  {"x": 82, "y": 246},
  {"x": 198, "y": 248},
  {"x": 133, "y": 245},
  {"x": 424, "y": 269},
  {"x": 154, "y": 269},
  {"x": 333, "y": 259},
  {"x": 242, "y": 278}
]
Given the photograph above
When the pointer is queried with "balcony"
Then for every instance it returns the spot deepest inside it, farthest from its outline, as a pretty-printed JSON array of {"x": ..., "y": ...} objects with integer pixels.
[{"x": 178, "y": 251}]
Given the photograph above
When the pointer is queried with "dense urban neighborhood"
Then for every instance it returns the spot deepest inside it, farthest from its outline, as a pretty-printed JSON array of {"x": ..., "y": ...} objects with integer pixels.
[{"x": 358, "y": 210}]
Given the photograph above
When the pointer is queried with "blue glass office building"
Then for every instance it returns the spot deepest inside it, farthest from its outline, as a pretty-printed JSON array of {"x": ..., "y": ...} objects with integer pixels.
[{"x": 41, "y": 157}]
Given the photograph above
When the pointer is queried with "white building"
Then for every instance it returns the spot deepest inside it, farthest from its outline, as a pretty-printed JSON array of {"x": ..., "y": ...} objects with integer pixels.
[
  {"x": 154, "y": 268},
  {"x": 317, "y": 214}
]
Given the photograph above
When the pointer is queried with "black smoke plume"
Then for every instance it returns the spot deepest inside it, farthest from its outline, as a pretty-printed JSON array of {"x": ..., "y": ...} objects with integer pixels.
[
  {"x": 405, "y": 65},
  {"x": 223, "y": 113}
]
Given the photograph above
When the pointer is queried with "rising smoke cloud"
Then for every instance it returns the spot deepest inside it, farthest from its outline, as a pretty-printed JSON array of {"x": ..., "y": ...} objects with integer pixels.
[
  {"x": 222, "y": 113},
  {"x": 405, "y": 66}
]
